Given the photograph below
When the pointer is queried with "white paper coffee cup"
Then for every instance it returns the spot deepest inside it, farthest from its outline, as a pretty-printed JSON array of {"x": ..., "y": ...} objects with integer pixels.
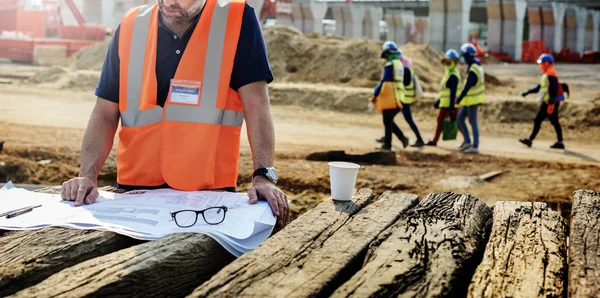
[{"x": 342, "y": 176}]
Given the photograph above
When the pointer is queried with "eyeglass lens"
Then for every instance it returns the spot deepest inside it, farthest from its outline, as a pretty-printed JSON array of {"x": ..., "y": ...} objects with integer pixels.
[
  {"x": 214, "y": 215},
  {"x": 185, "y": 218}
]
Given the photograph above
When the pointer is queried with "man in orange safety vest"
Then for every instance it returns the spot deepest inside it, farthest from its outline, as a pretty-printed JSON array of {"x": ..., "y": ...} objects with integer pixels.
[{"x": 182, "y": 76}]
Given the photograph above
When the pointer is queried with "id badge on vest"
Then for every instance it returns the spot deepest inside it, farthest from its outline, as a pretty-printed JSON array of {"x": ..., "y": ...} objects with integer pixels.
[{"x": 185, "y": 92}]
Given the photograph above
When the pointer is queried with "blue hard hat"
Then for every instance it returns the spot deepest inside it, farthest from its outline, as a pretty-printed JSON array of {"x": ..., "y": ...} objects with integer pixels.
[
  {"x": 390, "y": 47},
  {"x": 451, "y": 54},
  {"x": 468, "y": 49},
  {"x": 546, "y": 58}
]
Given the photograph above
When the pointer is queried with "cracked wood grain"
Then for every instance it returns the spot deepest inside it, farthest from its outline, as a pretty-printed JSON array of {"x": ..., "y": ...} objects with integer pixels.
[
  {"x": 28, "y": 257},
  {"x": 168, "y": 267},
  {"x": 431, "y": 251},
  {"x": 526, "y": 255},
  {"x": 584, "y": 245},
  {"x": 311, "y": 254}
]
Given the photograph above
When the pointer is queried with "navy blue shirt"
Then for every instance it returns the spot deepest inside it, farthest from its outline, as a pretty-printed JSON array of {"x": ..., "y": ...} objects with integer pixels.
[{"x": 250, "y": 65}]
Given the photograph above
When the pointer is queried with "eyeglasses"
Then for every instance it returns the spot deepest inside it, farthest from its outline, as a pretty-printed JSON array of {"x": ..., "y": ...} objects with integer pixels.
[{"x": 188, "y": 218}]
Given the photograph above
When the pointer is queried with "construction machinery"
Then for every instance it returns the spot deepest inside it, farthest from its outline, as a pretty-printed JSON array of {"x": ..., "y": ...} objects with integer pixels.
[{"x": 29, "y": 27}]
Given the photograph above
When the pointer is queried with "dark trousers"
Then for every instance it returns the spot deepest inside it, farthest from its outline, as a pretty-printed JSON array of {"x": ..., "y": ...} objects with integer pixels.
[
  {"x": 541, "y": 116},
  {"x": 443, "y": 113},
  {"x": 390, "y": 126},
  {"x": 406, "y": 111}
]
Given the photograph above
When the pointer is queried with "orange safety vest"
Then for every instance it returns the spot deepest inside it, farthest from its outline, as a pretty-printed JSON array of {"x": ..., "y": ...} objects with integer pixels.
[{"x": 188, "y": 146}]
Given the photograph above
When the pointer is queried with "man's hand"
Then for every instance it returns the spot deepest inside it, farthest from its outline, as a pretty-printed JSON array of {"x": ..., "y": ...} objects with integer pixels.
[
  {"x": 264, "y": 189},
  {"x": 80, "y": 190}
]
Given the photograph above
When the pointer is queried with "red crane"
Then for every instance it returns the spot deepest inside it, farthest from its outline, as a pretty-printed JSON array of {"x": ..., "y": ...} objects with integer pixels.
[{"x": 76, "y": 13}]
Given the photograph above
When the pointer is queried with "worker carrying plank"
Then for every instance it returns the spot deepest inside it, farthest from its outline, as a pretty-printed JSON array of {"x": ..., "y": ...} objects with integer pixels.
[
  {"x": 182, "y": 76},
  {"x": 552, "y": 94}
]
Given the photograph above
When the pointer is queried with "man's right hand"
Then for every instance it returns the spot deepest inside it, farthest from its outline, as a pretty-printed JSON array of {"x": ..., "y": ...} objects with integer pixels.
[{"x": 81, "y": 190}]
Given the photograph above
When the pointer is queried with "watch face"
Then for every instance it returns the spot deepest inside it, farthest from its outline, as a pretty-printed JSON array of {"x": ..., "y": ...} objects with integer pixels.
[{"x": 272, "y": 173}]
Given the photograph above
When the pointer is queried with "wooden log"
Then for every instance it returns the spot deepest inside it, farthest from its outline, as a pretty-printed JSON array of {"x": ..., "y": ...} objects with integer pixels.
[
  {"x": 526, "y": 255},
  {"x": 168, "y": 267},
  {"x": 379, "y": 157},
  {"x": 312, "y": 254},
  {"x": 28, "y": 257},
  {"x": 584, "y": 248},
  {"x": 432, "y": 251}
]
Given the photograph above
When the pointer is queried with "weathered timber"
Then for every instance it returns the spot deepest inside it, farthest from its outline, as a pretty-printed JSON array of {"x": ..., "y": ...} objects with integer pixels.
[
  {"x": 584, "y": 245},
  {"x": 379, "y": 157},
  {"x": 432, "y": 251},
  {"x": 168, "y": 267},
  {"x": 310, "y": 255},
  {"x": 28, "y": 257},
  {"x": 526, "y": 255}
]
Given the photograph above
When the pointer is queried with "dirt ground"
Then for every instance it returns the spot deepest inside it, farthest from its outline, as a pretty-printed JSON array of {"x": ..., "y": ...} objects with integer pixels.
[{"x": 43, "y": 123}]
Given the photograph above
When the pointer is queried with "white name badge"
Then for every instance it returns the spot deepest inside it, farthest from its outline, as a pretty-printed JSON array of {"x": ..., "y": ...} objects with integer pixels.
[{"x": 186, "y": 92}]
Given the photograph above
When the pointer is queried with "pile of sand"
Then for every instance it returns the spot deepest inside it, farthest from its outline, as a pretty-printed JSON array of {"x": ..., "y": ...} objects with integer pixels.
[
  {"x": 314, "y": 58},
  {"x": 57, "y": 77},
  {"x": 296, "y": 57},
  {"x": 50, "y": 75},
  {"x": 82, "y": 71},
  {"x": 356, "y": 62},
  {"x": 90, "y": 57}
]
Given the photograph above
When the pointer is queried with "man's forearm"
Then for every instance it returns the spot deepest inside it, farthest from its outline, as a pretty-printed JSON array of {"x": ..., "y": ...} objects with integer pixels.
[
  {"x": 259, "y": 123},
  {"x": 262, "y": 141},
  {"x": 98, "y": 139}
]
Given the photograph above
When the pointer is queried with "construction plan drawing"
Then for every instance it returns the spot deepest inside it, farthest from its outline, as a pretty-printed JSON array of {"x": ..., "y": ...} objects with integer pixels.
[{"x": 146, "y": 215}]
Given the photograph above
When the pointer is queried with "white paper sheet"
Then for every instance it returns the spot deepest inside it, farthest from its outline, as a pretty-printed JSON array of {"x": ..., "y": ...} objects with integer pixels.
[{"x": 145, "y": 215}]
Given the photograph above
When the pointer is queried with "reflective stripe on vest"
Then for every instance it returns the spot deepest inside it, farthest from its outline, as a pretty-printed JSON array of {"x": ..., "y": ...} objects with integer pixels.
[
  {"x": 398, "y": 80},
  {"x": 133, "y": 116},
  {"x": 207, "y": 112},
  {"x": 444, "y": 91},
  {"x": 544, "y": 85}
]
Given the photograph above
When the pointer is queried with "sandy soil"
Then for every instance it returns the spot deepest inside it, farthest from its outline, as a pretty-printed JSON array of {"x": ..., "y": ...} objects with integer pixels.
[{"x": 43, "y": 127}]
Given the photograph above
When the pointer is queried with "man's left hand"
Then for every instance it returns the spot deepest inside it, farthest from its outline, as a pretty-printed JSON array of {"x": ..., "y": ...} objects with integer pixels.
[{"x": 262, "y": 188}]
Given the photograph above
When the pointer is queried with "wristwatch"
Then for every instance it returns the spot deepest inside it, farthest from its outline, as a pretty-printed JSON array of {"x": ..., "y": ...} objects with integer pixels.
[{"x": 268, "y": 173}]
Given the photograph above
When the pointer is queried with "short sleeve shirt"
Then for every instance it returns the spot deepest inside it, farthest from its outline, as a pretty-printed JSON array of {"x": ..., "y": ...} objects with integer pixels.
[{"x": 250, "y": 64}]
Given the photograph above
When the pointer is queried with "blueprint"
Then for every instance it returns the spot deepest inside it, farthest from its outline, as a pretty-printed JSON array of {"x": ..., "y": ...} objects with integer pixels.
[{"x": 145, "y": 215}]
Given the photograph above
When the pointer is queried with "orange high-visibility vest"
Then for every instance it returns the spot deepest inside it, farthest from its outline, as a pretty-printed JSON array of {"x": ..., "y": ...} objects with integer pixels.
[{"x": 188, "y": 146}]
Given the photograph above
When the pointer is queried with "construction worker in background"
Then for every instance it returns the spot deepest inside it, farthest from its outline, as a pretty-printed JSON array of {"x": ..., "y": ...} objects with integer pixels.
[
  {"x": 449, "y": 85},
  {"x": 389, "y": 94},
  {"x": 472, "y": 95},
  {"x": 552, "y": 94},
  {"x": 181, "y": 76},
  {"x": 412, "y": 90}
]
